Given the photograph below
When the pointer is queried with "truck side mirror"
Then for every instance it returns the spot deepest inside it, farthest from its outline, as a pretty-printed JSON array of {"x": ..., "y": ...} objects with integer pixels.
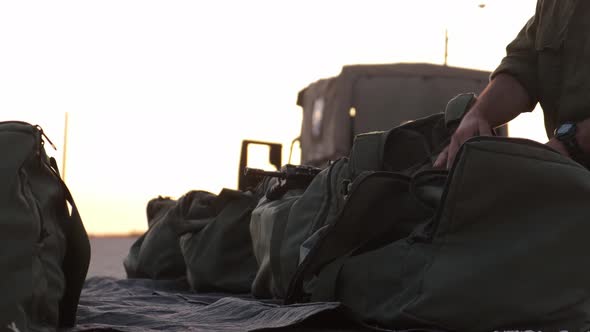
[{"x": 274, "y": 158}]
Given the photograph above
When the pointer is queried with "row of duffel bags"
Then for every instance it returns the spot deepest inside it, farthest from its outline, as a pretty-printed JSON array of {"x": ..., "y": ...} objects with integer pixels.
[
  {"x": 251, "y": 242},
  {"x": 202, "y": 237}
]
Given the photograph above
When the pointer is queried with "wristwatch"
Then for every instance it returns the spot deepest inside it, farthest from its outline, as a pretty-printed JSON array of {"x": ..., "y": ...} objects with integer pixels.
[{"x": 566, "y": 134}]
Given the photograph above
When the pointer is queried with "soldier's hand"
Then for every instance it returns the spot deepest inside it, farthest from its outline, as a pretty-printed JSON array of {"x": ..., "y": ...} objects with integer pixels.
[
  {"x": 556, "y": 145},
  {"x": 473, "y": 124}
]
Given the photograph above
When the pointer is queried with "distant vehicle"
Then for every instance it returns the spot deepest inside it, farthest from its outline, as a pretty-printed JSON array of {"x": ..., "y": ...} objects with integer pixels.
[{"x": 364, "y": 98}]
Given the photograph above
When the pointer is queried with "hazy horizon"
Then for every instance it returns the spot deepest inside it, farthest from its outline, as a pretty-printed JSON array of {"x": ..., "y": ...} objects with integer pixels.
[{"x": 160, "y": 95}]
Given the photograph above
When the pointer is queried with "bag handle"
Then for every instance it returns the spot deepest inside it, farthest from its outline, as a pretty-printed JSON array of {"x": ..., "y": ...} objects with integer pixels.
[
  {"x": 457, "y": 108},
  {"x": 367, "y": 149},
  {"x": 76, "y": 259},
  {"x": 367, "y": 152}
]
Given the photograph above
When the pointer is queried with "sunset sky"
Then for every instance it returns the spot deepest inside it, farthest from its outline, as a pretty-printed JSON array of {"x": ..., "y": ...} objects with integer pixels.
[{"x": 161, "y": 93}]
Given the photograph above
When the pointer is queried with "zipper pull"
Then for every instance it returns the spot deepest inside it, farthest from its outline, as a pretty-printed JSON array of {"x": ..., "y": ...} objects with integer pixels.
[{"x": 46, "y": 138}]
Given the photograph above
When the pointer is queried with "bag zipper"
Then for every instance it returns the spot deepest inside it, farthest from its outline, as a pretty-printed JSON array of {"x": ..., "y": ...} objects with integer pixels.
[
  {"x": 45, "y": 136},
  {"x": 40, "y": 135}
]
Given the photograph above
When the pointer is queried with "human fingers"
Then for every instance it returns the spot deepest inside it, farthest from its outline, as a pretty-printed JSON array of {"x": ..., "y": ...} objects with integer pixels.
[
  {"x": 441, "y": 160},
  {"x": 485, "y": 130},
  {"x": 452, "y": 151}
]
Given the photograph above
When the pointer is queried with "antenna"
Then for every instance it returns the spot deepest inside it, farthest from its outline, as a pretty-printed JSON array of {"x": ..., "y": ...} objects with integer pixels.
[
  {"x": 446, "y": 46},
  {"x": 65, "y": 148}
]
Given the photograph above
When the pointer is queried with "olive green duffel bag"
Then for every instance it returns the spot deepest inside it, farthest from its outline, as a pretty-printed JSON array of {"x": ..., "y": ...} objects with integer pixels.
[
  {"x": 502, "y": 246},
  {"x": 287, "y": 230},
  {"x": 217, "y": 250},
  {"x": 44, "y": 248},
  {"x": 157, "y": 254},
  {"x": 201, "y": 237}
]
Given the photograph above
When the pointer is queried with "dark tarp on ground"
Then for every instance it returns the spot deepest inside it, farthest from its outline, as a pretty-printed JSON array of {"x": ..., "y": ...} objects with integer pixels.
[
  {"x": 135, "y": 305},
  {"x": 383, "y": 96}
]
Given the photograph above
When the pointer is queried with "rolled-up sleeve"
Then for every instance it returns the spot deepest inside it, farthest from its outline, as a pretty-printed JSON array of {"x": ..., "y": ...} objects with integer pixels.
[{"x": 521, "y": 59}]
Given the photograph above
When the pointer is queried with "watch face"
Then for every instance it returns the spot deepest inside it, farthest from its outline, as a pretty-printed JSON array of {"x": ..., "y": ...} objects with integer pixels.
[{"x": 564, "y": 129}]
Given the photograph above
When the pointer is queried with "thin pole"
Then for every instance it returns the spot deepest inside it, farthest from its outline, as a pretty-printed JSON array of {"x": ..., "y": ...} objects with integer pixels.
[
  {"x": 65, "y": 148},
  {"x": 480, "y": 5},
  {"x": 446, "y": 45}
]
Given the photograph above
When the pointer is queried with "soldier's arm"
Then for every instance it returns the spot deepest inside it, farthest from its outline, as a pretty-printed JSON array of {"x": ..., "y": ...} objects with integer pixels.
[
  {"x": 502, "y": 100},
  {"x": 511, "y": 91}
]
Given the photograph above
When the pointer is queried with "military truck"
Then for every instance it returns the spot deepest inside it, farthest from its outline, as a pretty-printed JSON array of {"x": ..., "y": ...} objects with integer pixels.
[{"x": 364, "y": 98}]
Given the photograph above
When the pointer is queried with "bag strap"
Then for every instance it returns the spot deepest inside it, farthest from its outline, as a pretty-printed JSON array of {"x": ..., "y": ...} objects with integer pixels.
[
  {"x": 76, "y": 259},
  {"x": 367, "y": 152},
  {"x": 75, "y": 264}
]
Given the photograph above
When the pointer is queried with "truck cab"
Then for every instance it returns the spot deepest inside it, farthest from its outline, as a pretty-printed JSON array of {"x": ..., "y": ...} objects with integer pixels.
[{"x": 365, "y": 98}]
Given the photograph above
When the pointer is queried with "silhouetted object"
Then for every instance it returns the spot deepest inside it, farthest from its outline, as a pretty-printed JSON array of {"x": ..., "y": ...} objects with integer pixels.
[
  {"x": 220, "y": 257},
  {"x": 274, "y": 158},
  {"x": 365, "y": 98},
  {"x": 44, "y": 248},
  {"x": 290, "y": 177},
  {"x": 201, "y": 237},
  {"x": 156, "y": 254}
]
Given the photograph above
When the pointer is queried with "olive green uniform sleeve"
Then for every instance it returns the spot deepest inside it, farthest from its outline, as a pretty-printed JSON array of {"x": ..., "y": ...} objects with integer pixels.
[{"x": 521, "y": 60}]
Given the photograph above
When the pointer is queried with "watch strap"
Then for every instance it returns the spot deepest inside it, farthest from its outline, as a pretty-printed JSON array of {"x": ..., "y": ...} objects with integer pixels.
[{"x": 572, "y": 146}]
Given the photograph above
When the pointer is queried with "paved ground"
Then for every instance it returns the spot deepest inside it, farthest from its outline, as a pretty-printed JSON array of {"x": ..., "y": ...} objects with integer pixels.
[{"x": 108, "y": 254}]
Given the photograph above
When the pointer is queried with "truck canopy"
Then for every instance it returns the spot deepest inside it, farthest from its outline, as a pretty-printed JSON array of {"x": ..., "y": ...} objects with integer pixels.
[{"x": 364, "y": 98}]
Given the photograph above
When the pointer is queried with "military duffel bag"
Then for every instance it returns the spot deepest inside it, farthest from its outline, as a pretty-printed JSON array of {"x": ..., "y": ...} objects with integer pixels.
[
  {"x": 502, "y": 246},
  {"x": 287, "y": 230},
  {"x": 218, "y": 251},
  {"x": 268, "y": 224},
  {"x": 44, "y": 248},
  {"x": 157, "y": 254},
  {"x": 376, "y": 190},
  {"x": 201, "y": 237}
]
